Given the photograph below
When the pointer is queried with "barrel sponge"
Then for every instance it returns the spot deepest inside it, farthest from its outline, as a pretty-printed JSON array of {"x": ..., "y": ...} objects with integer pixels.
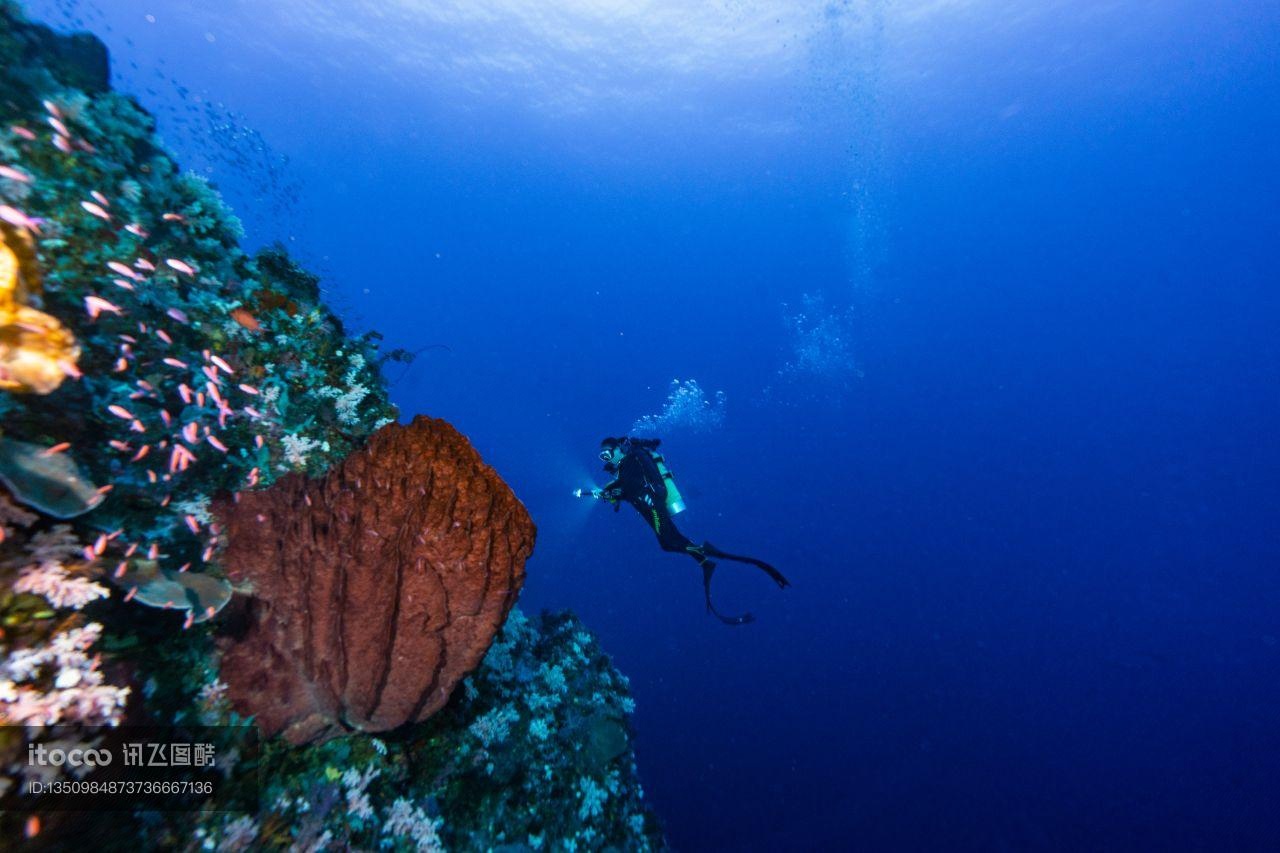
[{"x": 375, "y": 589}]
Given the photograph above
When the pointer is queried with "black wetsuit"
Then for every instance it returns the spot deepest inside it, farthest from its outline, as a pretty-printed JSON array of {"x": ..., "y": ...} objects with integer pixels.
[{"x": 638, "y": 481}]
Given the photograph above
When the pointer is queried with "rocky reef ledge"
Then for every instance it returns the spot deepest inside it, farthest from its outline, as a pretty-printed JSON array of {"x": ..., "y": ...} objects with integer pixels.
[{"x": 210, "y": 515}]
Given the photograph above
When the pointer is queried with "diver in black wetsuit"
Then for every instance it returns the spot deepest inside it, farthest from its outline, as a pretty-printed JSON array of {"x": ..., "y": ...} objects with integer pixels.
[{"x": 641, "y": 479}]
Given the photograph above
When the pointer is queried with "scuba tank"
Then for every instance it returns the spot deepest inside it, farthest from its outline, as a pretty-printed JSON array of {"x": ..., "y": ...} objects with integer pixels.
[{"x": 675, "y": 502}]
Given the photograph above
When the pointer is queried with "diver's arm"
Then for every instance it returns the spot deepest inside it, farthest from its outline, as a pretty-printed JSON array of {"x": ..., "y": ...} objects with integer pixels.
[{"x": 611, "y": 492}]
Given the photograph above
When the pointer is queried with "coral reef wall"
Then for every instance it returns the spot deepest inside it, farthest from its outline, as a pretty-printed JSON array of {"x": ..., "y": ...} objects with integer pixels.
[
  {"x": 375, "y": 588},
  {"x": 147, "y": 364}
]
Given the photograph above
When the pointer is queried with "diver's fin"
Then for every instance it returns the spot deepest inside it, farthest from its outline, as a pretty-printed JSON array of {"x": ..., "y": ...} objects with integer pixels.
[
  {"x": 708, "y": 568},
  {"x": 769, "y": 570}
]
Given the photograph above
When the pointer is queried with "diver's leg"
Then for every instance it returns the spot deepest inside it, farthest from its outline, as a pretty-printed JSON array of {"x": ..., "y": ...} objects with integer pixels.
[{"x": 670, "y": 537}]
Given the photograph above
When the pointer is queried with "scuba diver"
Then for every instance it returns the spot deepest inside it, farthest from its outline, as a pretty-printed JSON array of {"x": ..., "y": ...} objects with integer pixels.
[{"x": 641, "y": 479}]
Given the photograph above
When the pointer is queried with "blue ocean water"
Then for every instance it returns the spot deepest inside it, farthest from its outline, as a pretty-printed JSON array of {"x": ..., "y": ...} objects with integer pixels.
[{"x": 990, "y": 293}]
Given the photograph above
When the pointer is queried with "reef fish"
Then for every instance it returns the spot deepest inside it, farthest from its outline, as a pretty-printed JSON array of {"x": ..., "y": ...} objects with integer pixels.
[
  {"x": 95, "y": 305},
  {"x": 121, "y": 269},
  {"x": 16, "y": 217},
  {"x": 95, "y": 209},
  {"x": 14, "y": 175},
  {"x": 244, "y": 318}
]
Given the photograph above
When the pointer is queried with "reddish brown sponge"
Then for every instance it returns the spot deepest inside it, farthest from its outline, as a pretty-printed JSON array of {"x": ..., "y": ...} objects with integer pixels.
[{"x": 375, "y": 588}]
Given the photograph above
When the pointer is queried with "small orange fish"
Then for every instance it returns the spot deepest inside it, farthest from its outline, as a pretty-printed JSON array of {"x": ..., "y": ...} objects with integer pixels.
[
  {"x": 244, "y": 318},
  {"x": 16, "y": 217},
  {"x": 120, "y": 412},
  {"x": 14, "y": 175},
  {"x": 57, "y": 448},
  {"x": 61, "y": 143},
  {"x": 124, "y": 270},
  {"x": 181, "y": 266},
  {"x": 180, "y": 458},
  {"x": 25, "y": 133},
  {"x": 95, "y": 209},
  {"x": 95, "y": 305}
]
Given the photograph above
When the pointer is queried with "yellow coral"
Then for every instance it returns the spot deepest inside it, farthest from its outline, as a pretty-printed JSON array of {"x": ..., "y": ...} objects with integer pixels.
[{"x": 36, "y": 351}]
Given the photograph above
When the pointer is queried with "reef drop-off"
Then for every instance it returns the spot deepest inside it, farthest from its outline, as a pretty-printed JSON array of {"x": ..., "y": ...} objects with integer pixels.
[{"x": 187, "y": 368}]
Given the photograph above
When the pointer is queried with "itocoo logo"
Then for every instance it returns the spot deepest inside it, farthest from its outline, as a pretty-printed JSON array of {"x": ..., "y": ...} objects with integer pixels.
[{"x": 42, "y": 756}]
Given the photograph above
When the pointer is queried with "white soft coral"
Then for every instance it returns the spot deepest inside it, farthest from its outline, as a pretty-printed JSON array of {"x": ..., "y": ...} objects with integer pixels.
[{"x": 78, "y": 693}]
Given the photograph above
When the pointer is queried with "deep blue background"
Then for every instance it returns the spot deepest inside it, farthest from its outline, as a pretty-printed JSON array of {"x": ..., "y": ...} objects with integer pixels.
[{"x": 1034, "y": 547}]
